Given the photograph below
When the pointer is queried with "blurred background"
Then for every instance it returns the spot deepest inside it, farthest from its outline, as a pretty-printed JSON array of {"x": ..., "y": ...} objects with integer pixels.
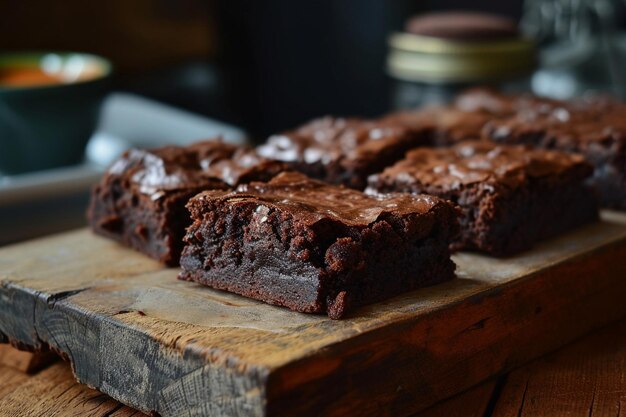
[
  {"x": 265, "y": 65},
  {"x": 246, "y": 69}
]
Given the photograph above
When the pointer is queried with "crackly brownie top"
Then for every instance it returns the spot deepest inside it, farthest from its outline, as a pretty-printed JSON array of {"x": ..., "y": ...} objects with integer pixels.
[
  {"x": 463, "y": 119},
  {"x": 487, "y": 101},
  {"x": 330, "y": 139},
  {"x": 583, "y": 119},
  {"x": 452, "y": 122},
  {"x": 244, "y": 165},
  {"x": 208, "y": 163},
  {"x": 480, "y": 162},
  {"x": 489, "y": 114},
  {"x": 310, "y": 201}
]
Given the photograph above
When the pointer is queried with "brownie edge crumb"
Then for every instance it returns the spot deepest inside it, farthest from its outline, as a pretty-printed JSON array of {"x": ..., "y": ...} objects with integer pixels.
[
  {"x": 317, "y": 248},
  {"x": 511, "y": 196},
  {"x": 140, "y": 201}
]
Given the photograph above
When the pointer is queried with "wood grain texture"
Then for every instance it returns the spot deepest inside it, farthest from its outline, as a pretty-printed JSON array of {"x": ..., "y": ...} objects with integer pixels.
[
  {"x": 587, "y": 379},
  {"x": 133, "y": 331},
  {"x": 54, "y": 392},
  {"x": 471, "y": 403},
  {"x": 25, "y": 361},
  {"x": 10, "y": 380}
]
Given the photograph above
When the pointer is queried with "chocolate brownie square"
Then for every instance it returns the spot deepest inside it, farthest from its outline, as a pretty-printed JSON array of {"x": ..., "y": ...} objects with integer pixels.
[
  {"x": 594, "y": 127},
  {"x": 445, "y": 126},
  {"x": 141, "y": 199},
  {"x": 314, "y": 247},
  {"x": 510, "y": 196},
  {"x": 342, "y": 150},
  {"x": 462, "y": 120}
]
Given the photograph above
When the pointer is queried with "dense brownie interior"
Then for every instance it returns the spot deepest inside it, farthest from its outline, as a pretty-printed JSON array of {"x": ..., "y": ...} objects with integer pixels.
[
  {"x": 510, "y": 196},
  {"x": 592, "y": 127},
  {"x": 141, "y": 199},
  {"x": 315, "y": 247}
]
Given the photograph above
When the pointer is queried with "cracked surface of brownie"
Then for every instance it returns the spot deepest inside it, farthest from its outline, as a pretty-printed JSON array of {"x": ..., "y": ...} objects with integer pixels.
[
  {"x": 314, "y": 247},
  {"x": 342, "y": 150},
  {"x": 511, "y": 196},
  {"x": 594, "y": 127},
  {"x": 141, "y": 199}
]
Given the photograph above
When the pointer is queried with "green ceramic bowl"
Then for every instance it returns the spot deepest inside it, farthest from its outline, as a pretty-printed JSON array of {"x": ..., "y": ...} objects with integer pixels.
[{"x": 46, "y": 126}]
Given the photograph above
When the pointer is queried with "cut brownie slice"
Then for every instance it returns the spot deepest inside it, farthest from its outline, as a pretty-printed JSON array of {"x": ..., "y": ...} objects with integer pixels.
[
  {"x": 510, "y": 196},
  {"x": 141, "y": 199},
  {"x": 314, "y": 247},
  {"x": 343, "y": 151},
  {"x": 594, "y": 127}
]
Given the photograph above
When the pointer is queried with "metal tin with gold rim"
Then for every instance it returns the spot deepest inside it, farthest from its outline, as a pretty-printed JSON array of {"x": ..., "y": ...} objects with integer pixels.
[{"x": 438, "y": 61}]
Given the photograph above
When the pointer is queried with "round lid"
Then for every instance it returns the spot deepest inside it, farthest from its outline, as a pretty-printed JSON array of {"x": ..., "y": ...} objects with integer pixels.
[
  {"x": 449, "y": 47},
  {"x": 462, "y": 26}
]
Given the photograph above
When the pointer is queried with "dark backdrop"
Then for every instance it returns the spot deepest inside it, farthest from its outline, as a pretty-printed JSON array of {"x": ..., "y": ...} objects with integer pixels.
[
  {"x": 287, "y": 61},
  {"x": 266, "y": 65}
]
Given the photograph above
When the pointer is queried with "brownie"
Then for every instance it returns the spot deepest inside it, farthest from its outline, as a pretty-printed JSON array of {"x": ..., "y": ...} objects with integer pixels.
[
  {"x": 342, "y": 150},
  {"x": 594, "y": 127},
  {"x": 464, "y": 119},
  {"x": 315, "y": 247},
  {"x": 141, "y": 199},
  {"x": 445, "y": 125},
  {"x": 511, "y": 196}
]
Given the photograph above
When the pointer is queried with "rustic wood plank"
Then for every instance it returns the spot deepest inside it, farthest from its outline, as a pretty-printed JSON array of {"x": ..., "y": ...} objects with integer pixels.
[
  {"x": 25, "y": 361},
  {"x": 126, "y": 412},
  {"x": 10, "y": 379},
  {"x": 471, "y": 403},
  {"x": 136, "y": 333},
  {"x": 54, "y": 392},
  {"x": 451, "y": 349},
  {"x": 587, "y": 379}
]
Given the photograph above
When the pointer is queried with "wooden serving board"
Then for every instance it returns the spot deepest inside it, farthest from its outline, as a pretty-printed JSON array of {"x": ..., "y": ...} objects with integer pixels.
[{"x": 133, "y": 331}]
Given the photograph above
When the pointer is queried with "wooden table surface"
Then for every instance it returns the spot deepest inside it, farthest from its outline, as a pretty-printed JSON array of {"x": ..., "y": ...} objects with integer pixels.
[
  {"x": 586, "y": 378},
  {"x": 151, "y": 341}
]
